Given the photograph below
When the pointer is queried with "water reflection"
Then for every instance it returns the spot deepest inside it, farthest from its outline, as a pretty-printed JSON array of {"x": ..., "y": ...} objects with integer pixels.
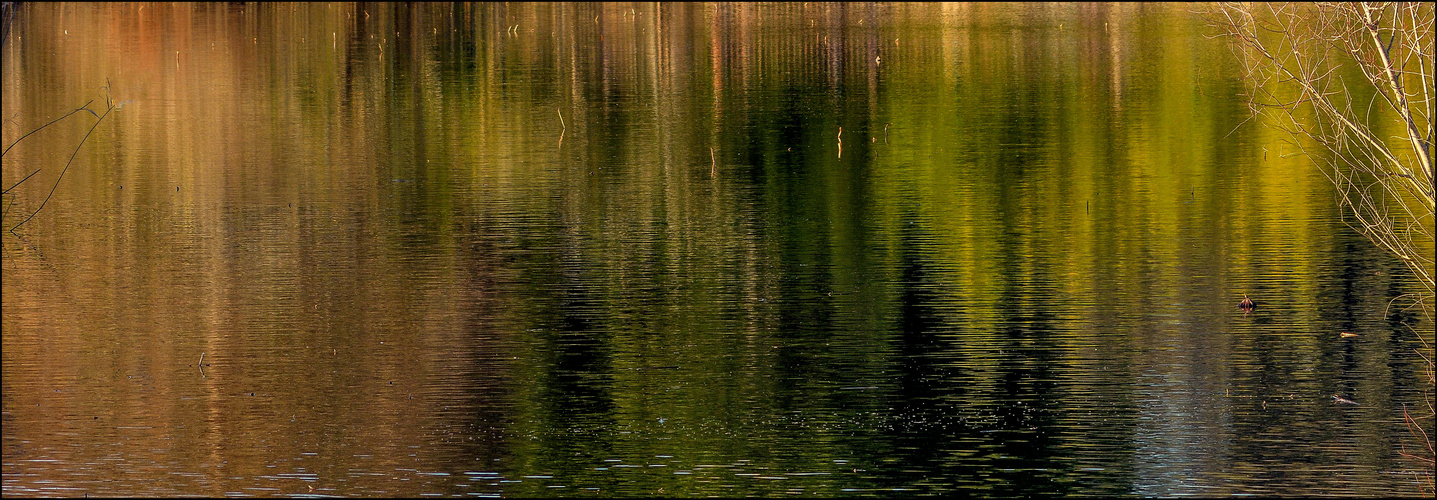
[{"x": 573, "y": 249}]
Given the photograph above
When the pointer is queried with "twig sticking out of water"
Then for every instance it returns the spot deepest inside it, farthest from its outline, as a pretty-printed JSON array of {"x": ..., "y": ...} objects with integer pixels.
[
  {"x": 86, "y": 108},
  {"x": 110, "y": 106},
  {"x": 561, "y": 124},
  {"x": 12, "y": 186}
]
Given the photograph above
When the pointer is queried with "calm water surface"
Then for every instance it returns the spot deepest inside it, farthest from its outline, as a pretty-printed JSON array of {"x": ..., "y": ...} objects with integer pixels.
[{"x": 678, "y": 250}]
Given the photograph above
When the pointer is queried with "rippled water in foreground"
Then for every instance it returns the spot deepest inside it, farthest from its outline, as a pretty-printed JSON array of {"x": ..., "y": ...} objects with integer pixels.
[{"x": 677, "y": 250}]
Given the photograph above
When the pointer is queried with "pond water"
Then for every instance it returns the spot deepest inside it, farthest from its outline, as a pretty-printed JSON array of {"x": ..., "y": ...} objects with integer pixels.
[{"x": 678, "y": 250}]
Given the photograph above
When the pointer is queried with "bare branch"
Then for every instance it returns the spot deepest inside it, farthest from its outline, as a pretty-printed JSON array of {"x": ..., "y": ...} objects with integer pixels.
[{"x": 1302, "y": 64}]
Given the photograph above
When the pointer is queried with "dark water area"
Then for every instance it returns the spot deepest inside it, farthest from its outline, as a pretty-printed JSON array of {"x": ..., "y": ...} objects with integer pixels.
[{"x": 678, "y": 250}]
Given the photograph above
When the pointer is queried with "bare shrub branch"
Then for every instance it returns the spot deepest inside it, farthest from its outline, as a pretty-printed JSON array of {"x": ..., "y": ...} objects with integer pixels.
[{"x": 1310, "y": 68}]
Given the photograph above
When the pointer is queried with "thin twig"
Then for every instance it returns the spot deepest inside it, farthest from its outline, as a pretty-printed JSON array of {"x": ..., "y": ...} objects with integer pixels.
[
  {"x": 67, "y": 169},
  {"x": 12, "y": 186},
  {"x": 86, "y": 107}
]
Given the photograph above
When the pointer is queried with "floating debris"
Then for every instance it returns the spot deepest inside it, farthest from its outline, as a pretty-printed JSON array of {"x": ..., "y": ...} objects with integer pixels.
[
  {"x": 1342, "y": 400},
  {"x": 1347, "y": 335}
]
